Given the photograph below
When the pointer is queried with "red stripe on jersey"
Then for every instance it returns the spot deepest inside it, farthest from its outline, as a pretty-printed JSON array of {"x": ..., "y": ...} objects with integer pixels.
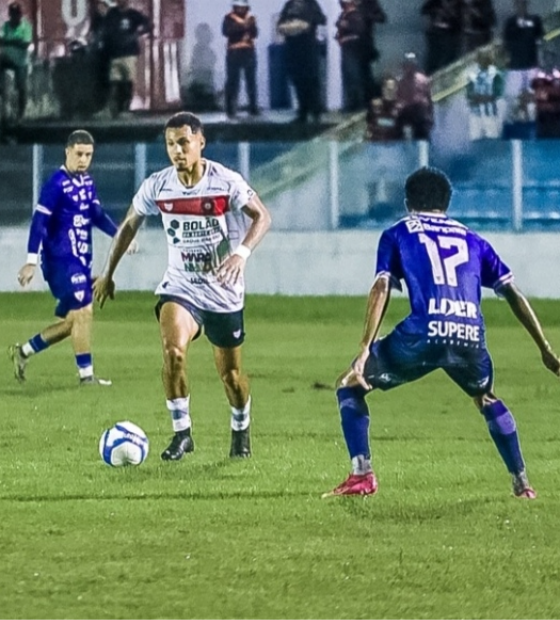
[{"x": 202, "y": 205}]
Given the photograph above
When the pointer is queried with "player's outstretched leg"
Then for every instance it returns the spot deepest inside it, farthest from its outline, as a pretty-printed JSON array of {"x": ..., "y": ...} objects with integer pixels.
[
  {"x": 20, "y": 353},
  {"x": 503, "y": 431},
  {"x": 182, "y": 441},
  {"x": 236, "y": 385},
  {"x": 354, "y": 416}
]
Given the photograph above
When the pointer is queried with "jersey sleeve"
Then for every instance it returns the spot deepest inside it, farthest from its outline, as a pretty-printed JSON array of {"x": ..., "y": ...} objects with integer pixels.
[
  {"x": 240, "y": 192},
  {"x": 388, "y": 259},
  {"x": 494, "y": 272},
  {"x": 144, "y": 201},
  {"x": 48, "y": 201}
]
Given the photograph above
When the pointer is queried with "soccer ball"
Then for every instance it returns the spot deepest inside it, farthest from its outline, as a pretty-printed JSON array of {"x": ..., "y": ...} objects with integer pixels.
[{"x": 124, "y": 444}]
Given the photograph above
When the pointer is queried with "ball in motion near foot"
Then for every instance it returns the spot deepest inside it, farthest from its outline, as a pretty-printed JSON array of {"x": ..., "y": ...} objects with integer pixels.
[{"x": 124, "y": 443}]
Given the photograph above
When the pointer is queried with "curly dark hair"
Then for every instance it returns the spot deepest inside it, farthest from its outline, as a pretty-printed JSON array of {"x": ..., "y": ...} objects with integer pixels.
[{"x": 428, "y": 189}]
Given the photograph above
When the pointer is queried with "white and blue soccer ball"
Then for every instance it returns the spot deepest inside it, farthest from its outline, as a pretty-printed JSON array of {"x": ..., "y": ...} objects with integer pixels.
[{"x": 124, "y": 443}]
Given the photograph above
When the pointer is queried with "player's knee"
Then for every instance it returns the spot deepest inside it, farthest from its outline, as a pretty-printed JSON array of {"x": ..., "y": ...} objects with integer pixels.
[{"x": 174, "y": 356}]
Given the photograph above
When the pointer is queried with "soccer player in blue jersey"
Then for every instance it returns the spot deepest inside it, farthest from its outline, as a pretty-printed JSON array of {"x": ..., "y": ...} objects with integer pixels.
[
  {"x": 444, "y": 265},
  {"x": 61, "y": 230}
]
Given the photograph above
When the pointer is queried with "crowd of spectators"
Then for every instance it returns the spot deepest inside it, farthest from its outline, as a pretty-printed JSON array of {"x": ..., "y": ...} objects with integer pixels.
[{"x": 518, "y": 89}]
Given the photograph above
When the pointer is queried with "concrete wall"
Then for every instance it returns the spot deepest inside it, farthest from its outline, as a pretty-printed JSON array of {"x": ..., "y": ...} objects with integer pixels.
[
  {"x": 306, "y": 263},
  {"x": 403, "y": 32}
]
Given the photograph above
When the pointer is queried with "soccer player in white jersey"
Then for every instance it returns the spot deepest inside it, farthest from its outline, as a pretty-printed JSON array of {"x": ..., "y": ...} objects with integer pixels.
[{"x": 203, "y": 286}]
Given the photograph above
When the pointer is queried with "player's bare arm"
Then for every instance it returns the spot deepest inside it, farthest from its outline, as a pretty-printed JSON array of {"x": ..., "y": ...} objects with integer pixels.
[
  {"x": 378, "y": 300},
  {"x": 104, "y": 286},
  {"x": 233, "y": 266},
  {"x": 527, "y": 317}
]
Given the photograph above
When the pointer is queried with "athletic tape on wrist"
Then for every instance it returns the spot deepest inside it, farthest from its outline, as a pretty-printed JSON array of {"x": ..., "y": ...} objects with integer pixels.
[{"x": 243, "y": 251}]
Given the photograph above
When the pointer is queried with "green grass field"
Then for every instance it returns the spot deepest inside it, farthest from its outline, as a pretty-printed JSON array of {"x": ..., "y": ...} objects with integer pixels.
[{"x": 212, "y": 538}]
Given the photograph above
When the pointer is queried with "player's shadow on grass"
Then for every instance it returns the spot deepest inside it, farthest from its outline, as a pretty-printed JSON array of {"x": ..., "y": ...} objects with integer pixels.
[
  {"x": 36, "y": 390},
  {"x": 372, "y": 510}
]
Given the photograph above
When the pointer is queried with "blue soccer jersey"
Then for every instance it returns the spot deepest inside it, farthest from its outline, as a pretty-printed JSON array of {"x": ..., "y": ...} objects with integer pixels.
[
  {"x": 62, "y": 221},
  {"x": 444, "y": 266}
]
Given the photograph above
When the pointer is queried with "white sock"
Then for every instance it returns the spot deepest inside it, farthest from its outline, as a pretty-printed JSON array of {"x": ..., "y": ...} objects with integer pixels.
[
  {"x": 27, "y": 349},
  {"x": 361, "y": 465},
  {"x": 241, "y": 418},
  {"x": 180, "y": 416},
  {"x": 85, "y": 372}
]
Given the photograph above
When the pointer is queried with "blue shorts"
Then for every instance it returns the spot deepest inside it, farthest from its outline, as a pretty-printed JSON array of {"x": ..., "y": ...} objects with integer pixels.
[
  {"x": 223, "y": 329},
  {"x": 70, "y": 284},
  {"x": 400, "y": 358}
]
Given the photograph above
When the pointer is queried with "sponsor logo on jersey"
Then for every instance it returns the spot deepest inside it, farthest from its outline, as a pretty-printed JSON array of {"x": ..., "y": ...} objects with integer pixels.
[
  {"x": 79, "y": 295},
  {"x": 453, "y": 307},
  {"x": 454, "y": 330},
  {"x": 414, "y": 226},
  {"x": 79, "y": 221},
  {"x": 205, "y": 205},
  {"x": 78, "y": 278}
]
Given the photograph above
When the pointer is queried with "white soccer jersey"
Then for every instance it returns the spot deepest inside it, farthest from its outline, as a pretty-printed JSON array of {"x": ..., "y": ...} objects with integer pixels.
[{"x": 200, "y": 231}]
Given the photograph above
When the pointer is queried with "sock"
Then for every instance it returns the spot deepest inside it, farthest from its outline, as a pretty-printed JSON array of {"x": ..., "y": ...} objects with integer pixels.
[
  {"x": 34, "y": 345},
  {"x": 180, "y": 416},
  {"x": 501, "y": 425},
  {"x": 361, "y": 465},
  {"x": 241, "y": 418},
  {"x": 354, "y": 415},
  {"x": 84, "y": 362}
]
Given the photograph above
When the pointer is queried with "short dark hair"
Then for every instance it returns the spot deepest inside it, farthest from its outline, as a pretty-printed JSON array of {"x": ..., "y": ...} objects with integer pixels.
[
  {"x": 428, "y": 189},
  {"x": 80, "y": 136},
  {"x": 182, "y": 119}
]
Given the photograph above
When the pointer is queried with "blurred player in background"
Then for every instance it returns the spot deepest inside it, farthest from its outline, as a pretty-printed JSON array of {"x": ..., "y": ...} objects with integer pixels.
[
  {"x": 444, "y": 265},
  {"x": 16, "y": 35},
  {"x": 203, "y": 286},
  {"x": 61, "y": 229}
]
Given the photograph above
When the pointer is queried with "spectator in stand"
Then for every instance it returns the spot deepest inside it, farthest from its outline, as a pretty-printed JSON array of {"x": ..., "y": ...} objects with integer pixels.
[
  {"x": 123, "y": 28},
  {"x": 415, "y": 110},
  {"x": 373, "y": 14},
  {"x": 443, "y": 35},
  {"x": 16, "y": 36},
  {"x": 355, "y": 49},
  {"x": 522, "y": 37},
  {"x": 298, "y": 23},
  {"x": 479, "y": 21},
  {"x": 96, "y": 41},
  {"x": 240, "y": 28},
  {"x": 381, "y": 117},
  {"x": 546, "y": 87},
  {"x": 485, "y": 89}
]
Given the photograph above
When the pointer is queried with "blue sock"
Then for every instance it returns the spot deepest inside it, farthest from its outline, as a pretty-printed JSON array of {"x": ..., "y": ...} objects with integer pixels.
[
  {"x": 38, "y": 344},
  {"x": 84, "y": 362},
  {"x": 354, "y": 415},
  {"x": 501, "y": 425}
]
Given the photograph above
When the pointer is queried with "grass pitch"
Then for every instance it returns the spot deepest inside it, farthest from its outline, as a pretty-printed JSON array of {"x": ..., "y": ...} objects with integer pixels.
[{"x": 212, "y": 538}]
